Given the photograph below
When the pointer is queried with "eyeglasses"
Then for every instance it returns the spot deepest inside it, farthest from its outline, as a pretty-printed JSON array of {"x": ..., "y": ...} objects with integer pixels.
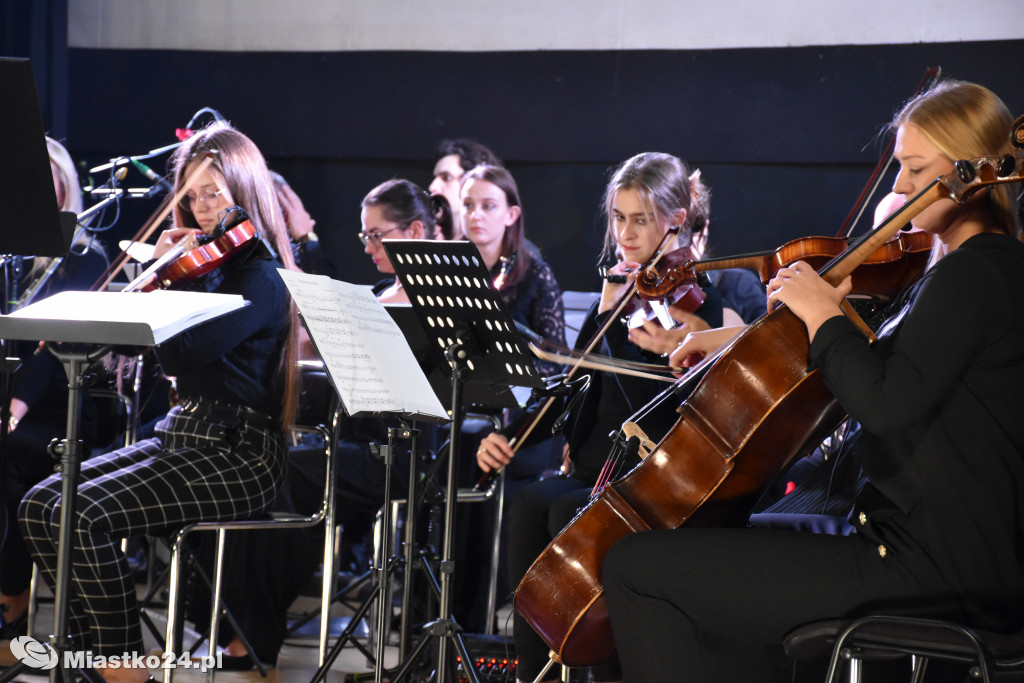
[
  {"x": 205, "y": 197},
  {"x": 375, "y": 237}
]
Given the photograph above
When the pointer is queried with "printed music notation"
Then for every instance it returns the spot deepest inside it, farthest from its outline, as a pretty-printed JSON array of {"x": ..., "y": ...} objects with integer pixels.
[{"x": 365, "y": 354}]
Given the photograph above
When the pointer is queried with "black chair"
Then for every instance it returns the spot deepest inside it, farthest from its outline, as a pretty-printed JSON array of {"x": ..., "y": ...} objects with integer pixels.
[{"x": 986, "y": 654}]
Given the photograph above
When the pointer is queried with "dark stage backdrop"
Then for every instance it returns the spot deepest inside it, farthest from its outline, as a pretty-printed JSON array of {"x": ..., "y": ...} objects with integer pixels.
[{"x": 786, "y": 137}]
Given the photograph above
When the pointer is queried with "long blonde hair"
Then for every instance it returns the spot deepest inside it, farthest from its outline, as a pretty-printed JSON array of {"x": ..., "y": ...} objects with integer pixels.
[
  {"x": 965, "y": 121},
  {"x": 244, "y": 170}
]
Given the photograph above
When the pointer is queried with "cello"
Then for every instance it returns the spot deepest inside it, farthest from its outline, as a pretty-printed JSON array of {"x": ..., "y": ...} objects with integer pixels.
[{"x": 755, "y": 408}]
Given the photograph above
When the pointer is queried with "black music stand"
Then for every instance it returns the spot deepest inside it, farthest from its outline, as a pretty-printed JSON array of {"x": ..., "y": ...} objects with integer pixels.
[
  {"x": 31, "y": 224},
  {"x": 95, "y": 331},
  {"x": 472, "y": 332},
  {"x": 374, "y": 372}
]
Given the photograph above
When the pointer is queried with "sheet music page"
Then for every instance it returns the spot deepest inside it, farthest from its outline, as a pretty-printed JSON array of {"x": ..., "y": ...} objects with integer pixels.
[
  {"x": 363, "y": 350},
  {"x": 162, "y": 313}
]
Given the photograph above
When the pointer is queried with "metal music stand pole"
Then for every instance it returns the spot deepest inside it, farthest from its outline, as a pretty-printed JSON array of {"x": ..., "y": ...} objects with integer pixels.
[
  {"x": 384, "y": 570},
  {"x": 70, "y": 450},
  {"x": 445, "y": 628},
  {"x": 471, "y": 332}
]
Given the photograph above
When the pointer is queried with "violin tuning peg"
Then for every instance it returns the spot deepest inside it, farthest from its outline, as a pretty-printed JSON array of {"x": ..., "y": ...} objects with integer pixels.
[
  {"x": 1007, "y": 165},
  {"x": 965, "y": 171},
  {"x": 1017, "y": 134}
]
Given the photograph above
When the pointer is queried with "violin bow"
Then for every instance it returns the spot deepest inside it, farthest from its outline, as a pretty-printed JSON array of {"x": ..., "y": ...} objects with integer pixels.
[
  {"x": 525, "y": 432},
  {"x": 931, "y": 76},
  {"x": 158, "y": 217}
]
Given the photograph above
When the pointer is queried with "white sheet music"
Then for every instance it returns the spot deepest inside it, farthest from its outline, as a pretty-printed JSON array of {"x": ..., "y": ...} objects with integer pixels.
[
  {"x": 365, "y": 354},
  {"x": 129, "y": 318}
]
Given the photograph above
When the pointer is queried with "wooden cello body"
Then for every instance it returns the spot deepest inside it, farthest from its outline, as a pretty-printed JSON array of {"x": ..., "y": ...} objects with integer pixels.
[
  {"x": 733, "y": 434},
  {"x": 755, "y": 409}
]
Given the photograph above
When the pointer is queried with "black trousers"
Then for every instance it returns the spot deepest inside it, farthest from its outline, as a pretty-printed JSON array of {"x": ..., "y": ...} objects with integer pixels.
[{"x": 695, "y": 604}]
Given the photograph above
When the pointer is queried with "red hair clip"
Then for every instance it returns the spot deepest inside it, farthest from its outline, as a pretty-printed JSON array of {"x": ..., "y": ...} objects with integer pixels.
[{"x": 183, "y": 133}]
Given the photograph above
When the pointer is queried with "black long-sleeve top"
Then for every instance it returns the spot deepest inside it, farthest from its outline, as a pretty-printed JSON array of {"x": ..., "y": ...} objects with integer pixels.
[
  {"x": 939, "y": 399},
  {"x": 235, "y": 358}
]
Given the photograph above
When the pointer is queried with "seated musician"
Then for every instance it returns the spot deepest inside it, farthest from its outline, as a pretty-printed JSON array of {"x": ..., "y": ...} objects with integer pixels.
[
  {"x": 455, "y": 157},
  {"x": 276, "y": 565},
  {"x": 39, "y": 400},
  {"x": 938, "y": 525},
  {"x": 741, "y": 289},
  {"x": 218, "y": 456},
  {"x": 647, "y": 196},
  {"x": 492, "y": 218}
]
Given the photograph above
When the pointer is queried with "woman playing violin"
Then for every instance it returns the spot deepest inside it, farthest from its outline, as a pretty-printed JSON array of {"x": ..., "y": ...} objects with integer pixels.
[
  {"x": 938, "y": 526},
  {"x": 741, "y": 290},
  {"x": 648, "y": 196},
  {"x": 219, "y": 455}
]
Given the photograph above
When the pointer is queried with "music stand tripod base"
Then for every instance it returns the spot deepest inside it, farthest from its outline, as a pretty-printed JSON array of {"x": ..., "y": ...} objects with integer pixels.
[{"x": 471, "y": 330}]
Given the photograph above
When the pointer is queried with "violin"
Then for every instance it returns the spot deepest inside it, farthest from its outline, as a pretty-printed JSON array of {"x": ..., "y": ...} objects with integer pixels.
[
  {"x": 755, "y": 408},
  {"x": 490, "y": 478},
  {"x": 151, "y": 225},
  {"x": 883, "y": 275},
  {"x": 194, "y": 257},
  {"x": 685, "y": 294}
]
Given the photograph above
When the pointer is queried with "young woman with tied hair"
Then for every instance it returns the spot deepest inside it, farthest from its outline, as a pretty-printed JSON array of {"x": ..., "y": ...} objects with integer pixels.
[
  {"x": 399, "y": 209},
  {"x": 647, "y": 196},
  {"x": 939, "y": 524},
  {"x": 220, "y": 454}
]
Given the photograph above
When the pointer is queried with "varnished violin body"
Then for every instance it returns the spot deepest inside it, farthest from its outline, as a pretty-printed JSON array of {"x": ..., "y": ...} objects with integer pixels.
[
  {"x": 685, "y": 294},
  {"x": 883, "y": 275},
  {"x": 192, "y": 263}
]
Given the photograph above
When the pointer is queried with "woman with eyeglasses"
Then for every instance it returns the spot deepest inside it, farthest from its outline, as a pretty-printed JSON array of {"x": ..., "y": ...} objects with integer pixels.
[
  {"x": 399, "y": 209},
  {"x": 220, "y": 454}
]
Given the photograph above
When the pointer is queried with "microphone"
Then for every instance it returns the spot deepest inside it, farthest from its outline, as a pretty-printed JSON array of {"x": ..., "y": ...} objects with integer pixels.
[{"x": 160, "y": 184}]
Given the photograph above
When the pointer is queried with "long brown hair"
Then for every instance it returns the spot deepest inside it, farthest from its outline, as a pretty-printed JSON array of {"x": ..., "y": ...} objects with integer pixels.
[
  {"x": 244, "y": 171},
  {"x": 512, "y": 242}
]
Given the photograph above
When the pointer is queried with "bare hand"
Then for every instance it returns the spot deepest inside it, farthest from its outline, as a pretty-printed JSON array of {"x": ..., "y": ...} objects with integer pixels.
[
  {"x": 697, "y": 345},
  {"x": 610, "y": 292},
  {"x": 809, "y": 297},
  {"x": 653, "y": 337},
  {"x": 494, "y": 452},
  {"x": 170, "y": 238},
  {"x": 296, "y": 217}
]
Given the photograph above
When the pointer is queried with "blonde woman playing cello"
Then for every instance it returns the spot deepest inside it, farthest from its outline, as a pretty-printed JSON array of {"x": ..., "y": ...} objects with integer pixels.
[{"x": 939, "y": 525}]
